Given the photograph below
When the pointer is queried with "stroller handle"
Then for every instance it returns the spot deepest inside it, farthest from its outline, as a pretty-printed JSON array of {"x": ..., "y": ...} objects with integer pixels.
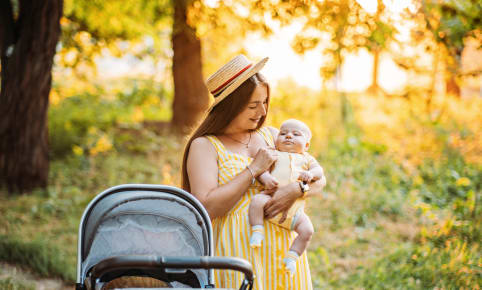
[{"x": 195, "y": 262}]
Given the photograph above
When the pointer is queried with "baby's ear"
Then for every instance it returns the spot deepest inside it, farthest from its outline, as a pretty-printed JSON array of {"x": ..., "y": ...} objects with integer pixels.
[{"x": 307, "y": 145}]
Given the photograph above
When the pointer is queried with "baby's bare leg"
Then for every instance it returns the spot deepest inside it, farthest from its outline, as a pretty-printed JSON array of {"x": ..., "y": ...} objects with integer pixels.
[
  {"x": 256, "y": 215},
  {"x": 256, "y": 209},
  {"x": 304, "y": 229}
]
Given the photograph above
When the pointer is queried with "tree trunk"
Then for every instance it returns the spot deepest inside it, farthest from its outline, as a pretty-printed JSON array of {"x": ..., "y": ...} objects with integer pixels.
[
  {"x": 374, "y": 88},
  {"x": 376, "y": 50},
  {"x": 191, "y": 97},
  {"x": 28, "y": 47},
  {"x": 453, "y": 66},
  {"x": 451, "y": 86},
  {"x": 433, "y": 81}
]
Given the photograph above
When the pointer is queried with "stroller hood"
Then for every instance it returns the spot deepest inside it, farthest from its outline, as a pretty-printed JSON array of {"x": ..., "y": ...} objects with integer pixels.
[{"x": 143, "y": 220}]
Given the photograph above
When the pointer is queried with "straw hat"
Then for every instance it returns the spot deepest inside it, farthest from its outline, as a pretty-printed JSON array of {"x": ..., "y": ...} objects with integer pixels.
[{"x": 229, "y": 77}]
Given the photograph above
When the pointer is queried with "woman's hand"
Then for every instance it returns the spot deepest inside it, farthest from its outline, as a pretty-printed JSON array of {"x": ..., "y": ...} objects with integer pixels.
[
  {"x": 263, "y": 160},
  {"x": 282, "y": 199}
]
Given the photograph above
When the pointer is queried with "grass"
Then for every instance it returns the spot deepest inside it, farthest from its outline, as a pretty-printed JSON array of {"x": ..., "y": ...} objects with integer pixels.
[
  {"x": 370, "y": 219},
  {"x": 39, "y": 230},
  {"x": 42, "y": 256},
  {"x": 386, "y": 220},
  {"x": 11, "y": 283}
]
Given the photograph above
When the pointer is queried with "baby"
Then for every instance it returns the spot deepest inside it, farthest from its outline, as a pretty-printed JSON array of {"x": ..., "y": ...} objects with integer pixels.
[{"x": 293, "y": 164}]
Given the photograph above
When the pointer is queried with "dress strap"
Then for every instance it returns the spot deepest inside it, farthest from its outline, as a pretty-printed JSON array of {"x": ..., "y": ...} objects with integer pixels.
[
  {"x": 267, "y": 136},
  {"x": 219, "y": 146}
]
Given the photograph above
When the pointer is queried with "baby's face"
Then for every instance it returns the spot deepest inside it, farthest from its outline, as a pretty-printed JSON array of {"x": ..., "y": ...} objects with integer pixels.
[{"x": 292, "y": 138}]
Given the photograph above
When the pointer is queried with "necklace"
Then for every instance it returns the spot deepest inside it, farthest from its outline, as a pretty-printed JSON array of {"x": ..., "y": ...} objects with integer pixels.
[{"x": 245, "y": 144}]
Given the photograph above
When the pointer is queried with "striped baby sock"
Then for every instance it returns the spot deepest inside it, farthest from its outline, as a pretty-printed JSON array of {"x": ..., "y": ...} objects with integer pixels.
[
  {"x": 290, "y": 261},
  {"x": 257, "y": 236}
]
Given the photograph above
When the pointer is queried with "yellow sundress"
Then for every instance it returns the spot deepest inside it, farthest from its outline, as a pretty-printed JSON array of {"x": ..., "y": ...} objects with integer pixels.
[{"x": 232, "y": 232}]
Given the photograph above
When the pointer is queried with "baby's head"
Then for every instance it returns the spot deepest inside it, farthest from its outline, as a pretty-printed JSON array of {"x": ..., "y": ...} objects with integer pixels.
[{"x": 294, "y": 137}]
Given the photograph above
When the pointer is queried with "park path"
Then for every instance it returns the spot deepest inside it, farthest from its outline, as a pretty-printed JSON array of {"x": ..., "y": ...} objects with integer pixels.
[{"x": 26, "y": 277}]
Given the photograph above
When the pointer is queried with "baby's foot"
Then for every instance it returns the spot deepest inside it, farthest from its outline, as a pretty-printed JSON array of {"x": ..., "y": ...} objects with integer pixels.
[
  {"x": 289, "y": 262},
  {"x": 256, "y": 240},
  {"x": 290, "y": 266},
  {"x": 257, "y": 236}
]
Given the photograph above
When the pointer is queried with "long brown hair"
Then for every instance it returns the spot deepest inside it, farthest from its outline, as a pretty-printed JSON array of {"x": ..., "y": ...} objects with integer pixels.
[{"x": 221, "y": 116}]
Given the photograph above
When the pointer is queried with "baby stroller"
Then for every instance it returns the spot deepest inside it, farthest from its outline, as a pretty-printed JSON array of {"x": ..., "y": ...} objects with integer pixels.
[{"x": 155, "y": 231}]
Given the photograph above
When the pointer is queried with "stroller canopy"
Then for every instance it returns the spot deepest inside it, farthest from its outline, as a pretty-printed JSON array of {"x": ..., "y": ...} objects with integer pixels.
[{"x": 143, "y": 220}]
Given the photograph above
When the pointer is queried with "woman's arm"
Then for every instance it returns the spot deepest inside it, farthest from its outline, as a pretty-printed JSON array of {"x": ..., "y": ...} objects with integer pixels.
[{"x": 202, "y": 170}]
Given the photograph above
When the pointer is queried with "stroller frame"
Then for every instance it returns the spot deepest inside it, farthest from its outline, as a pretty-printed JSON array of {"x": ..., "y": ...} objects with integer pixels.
[{"x": 170, "y": 264}]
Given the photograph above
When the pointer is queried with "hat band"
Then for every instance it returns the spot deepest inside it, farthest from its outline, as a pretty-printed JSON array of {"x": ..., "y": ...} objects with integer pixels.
[{"x": 220, "y": 89}]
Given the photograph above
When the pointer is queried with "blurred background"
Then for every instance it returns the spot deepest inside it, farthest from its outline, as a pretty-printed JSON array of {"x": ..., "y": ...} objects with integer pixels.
[{"x": 105, "y": 92}]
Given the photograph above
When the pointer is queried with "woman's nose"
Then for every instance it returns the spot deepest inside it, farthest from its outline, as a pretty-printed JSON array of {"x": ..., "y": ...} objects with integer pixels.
[{"x": 262, "y": 110}]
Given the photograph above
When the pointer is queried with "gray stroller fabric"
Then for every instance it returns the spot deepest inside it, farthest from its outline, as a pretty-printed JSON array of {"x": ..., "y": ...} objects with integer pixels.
[{"x": 144, "y": 223}]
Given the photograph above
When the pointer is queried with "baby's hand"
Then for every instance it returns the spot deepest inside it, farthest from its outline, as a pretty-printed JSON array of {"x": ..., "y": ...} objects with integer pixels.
[
  {"x": 268, "y": 181},
  {"x": 306, "y": 176},
  {"x": 271, "y": 183}
]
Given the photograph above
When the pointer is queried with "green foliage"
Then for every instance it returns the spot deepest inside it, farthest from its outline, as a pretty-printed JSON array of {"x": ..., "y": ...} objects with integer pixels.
[
  {"x": 444, "y": 185},
  {"x": 90, "y": 26},
  {"x": 422, "y": 267},
  {"x": 380, "y": 36},
  {"x": 69, "y": 122},
  {"x": 445, "y": 253},
  {"x": 38, "y": 254},
  {"x": 116, "y": 19},
  {"x": 452, "y": 21},
  {"x": 342, "y": 27},
  {"x": 383, "y": 180},
  {"x": 438, "y": 202},
  {"x": 80, "y": 121}
]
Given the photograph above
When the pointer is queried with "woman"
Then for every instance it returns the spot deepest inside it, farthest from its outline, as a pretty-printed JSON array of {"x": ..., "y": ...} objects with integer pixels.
[{"x": 221, "y": 161}]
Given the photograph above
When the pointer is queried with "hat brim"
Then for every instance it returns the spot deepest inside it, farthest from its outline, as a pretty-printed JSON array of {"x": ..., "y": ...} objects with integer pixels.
[{"x": 241, "y": 79}]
